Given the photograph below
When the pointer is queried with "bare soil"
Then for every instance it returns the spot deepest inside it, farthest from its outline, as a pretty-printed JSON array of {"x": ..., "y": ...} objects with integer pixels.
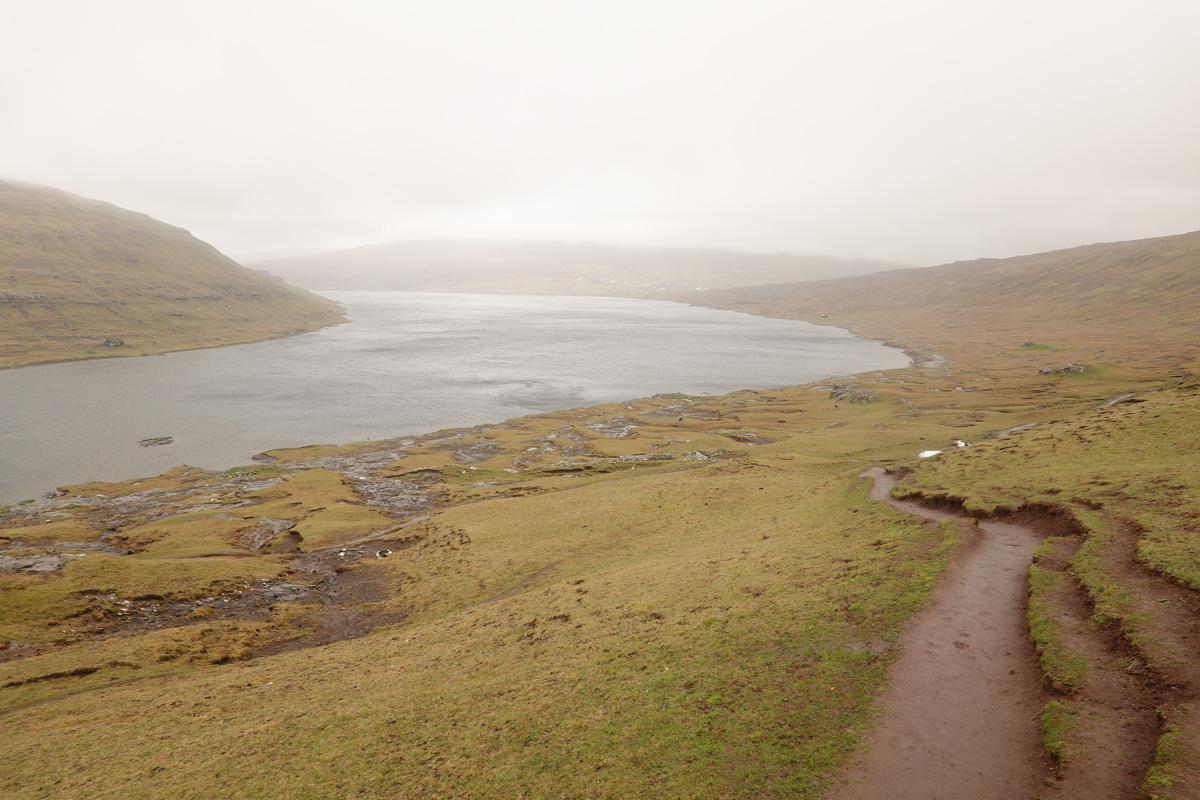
[{"x": 340, "y": 591}]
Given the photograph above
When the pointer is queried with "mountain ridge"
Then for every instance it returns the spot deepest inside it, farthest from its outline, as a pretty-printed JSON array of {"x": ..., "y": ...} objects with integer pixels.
[
  {"x": 1145, "y": 288},
  {"x": 519, "y": 267}
]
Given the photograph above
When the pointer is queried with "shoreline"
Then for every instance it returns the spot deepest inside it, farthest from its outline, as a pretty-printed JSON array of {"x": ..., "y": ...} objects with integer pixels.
[{"x": 415, "y": 426}]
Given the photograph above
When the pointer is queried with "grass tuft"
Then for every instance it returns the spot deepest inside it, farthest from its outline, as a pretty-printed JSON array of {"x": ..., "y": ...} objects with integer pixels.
[{"x": 1058, "y": 720}]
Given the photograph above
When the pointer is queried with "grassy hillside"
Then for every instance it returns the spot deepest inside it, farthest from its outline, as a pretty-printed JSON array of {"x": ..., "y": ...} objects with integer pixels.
[
  {"x": 550, "y": 268},
  {"x": 1134, "y": 300},
  {"x": 76, "y": 273},
  {"x": 672, "y": 597}
]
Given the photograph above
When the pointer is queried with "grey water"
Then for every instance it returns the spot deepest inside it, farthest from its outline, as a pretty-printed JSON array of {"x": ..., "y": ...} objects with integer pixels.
[{"x": 405, "y": 363}]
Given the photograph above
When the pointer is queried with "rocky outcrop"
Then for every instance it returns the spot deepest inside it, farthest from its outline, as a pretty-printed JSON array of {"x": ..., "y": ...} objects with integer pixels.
[{"x": 848, "y": 392}]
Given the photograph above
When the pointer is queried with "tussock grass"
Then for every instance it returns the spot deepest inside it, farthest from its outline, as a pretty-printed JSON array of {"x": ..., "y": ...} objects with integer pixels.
[
  {"x": 1059, "y": 720},
  {"x": 1062, "y": 668},
  {"x": 645, "y": 627},
  {"x": 1175, "y": 758}
]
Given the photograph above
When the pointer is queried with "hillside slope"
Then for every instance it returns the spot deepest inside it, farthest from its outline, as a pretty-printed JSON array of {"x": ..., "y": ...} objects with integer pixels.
[
  {"x": 436, "y": 265},
  {"x": 75, "y": 273},
  {"x": 1097, "y": 302},
  {"x": 672, "y": 597}
]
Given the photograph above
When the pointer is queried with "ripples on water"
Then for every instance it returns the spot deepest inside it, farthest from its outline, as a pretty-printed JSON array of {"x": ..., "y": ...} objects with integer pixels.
[{"x": 406, "y": 363}]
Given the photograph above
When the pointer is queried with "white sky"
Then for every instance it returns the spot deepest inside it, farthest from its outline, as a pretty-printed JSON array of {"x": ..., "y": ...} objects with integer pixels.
[{"x": 920, "y": 131}]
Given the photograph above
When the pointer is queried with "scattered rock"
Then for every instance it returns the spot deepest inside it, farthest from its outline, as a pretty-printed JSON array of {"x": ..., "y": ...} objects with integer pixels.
[
  {"x": 264, "y": 532},
  {"x": 679, "y": 413},
  {"x": 846, "y": 391},
  {"x": 157, "y": 441},
  {"x": 284, "y": 592},
  {"x": 617, "y": 428},
  {"x": 1015, "y": 429},
  {"x": 37, "y": 565},
  {"x": 746, "y": 437},
  {"x": 1121, "y": 398},
  {"x": 470, "y": 452},
  {"x": 1069, "y": 369}
]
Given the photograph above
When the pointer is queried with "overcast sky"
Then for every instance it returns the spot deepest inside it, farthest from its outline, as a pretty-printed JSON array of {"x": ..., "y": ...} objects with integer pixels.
[{"x": 921, "y": 131}]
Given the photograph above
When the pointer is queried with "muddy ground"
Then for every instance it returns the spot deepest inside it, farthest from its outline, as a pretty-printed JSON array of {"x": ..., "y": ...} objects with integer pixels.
[{"x": 960, "y": 717}]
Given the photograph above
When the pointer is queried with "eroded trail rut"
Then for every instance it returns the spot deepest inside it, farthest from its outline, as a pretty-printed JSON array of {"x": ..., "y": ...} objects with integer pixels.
[{"x": 959, "y": 717}]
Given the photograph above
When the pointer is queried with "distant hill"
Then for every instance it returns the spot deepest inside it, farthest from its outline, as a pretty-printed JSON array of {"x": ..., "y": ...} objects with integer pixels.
[
  {"x": 438, "y": 265},
  {"x": 81, "y": 278},
  {"x": 1131, "y": 298}
]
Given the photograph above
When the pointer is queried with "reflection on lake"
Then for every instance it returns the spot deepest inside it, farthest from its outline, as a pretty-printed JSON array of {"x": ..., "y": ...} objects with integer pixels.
[{"x": 406, "y": 363}]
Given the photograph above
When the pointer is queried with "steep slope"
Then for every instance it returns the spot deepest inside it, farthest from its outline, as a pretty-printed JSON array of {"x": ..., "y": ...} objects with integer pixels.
[
  {"x": 77, "y": 273},
  {"x": 1097, "y": 302},
  {"x": 436, "y": 265}
]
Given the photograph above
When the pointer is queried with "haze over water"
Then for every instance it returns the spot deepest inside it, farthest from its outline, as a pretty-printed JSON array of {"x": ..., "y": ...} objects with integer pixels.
[{"x": 406, "y": 363}]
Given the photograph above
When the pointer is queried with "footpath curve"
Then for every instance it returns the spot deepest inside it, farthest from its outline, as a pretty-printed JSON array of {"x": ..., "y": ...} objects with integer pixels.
[{"x": 959, "y": 716}]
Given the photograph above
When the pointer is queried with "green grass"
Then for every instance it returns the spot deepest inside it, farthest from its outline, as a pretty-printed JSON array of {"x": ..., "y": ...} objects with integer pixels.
[
  {"x": 720, "y": 630},
  {"x": 1133, "y": 461},
  {"x": 47, "y": 532},
  {"x": 1112, "y": 603},
  {"x": 1174, "y": 758},
  {"x": 1058, "y": 720},
  {"x": 1062, "y": 668}
]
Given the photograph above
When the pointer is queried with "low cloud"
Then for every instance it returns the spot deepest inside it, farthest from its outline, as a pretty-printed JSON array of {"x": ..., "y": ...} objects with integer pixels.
[{"x": 919, "y": 132}]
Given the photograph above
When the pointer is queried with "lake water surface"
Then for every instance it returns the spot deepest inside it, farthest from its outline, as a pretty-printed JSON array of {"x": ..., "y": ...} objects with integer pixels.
[{"x": 406, "y": 363}]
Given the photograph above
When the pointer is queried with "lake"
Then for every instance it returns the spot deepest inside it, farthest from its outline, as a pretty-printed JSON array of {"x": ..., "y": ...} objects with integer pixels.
[{"x": 406, "y": 363}]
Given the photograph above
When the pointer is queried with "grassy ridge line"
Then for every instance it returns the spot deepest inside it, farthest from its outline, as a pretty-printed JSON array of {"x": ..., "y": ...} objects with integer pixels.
[
  {"x": 1136, "y": 301},
  {"x": 76, "y": 272}
]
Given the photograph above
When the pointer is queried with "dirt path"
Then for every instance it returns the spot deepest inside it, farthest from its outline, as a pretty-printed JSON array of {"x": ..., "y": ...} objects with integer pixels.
[{"x": 959, "y": 718}]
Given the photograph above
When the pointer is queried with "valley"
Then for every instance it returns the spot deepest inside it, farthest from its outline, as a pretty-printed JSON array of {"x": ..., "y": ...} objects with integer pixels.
[{"x": 675, "y": 596}]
